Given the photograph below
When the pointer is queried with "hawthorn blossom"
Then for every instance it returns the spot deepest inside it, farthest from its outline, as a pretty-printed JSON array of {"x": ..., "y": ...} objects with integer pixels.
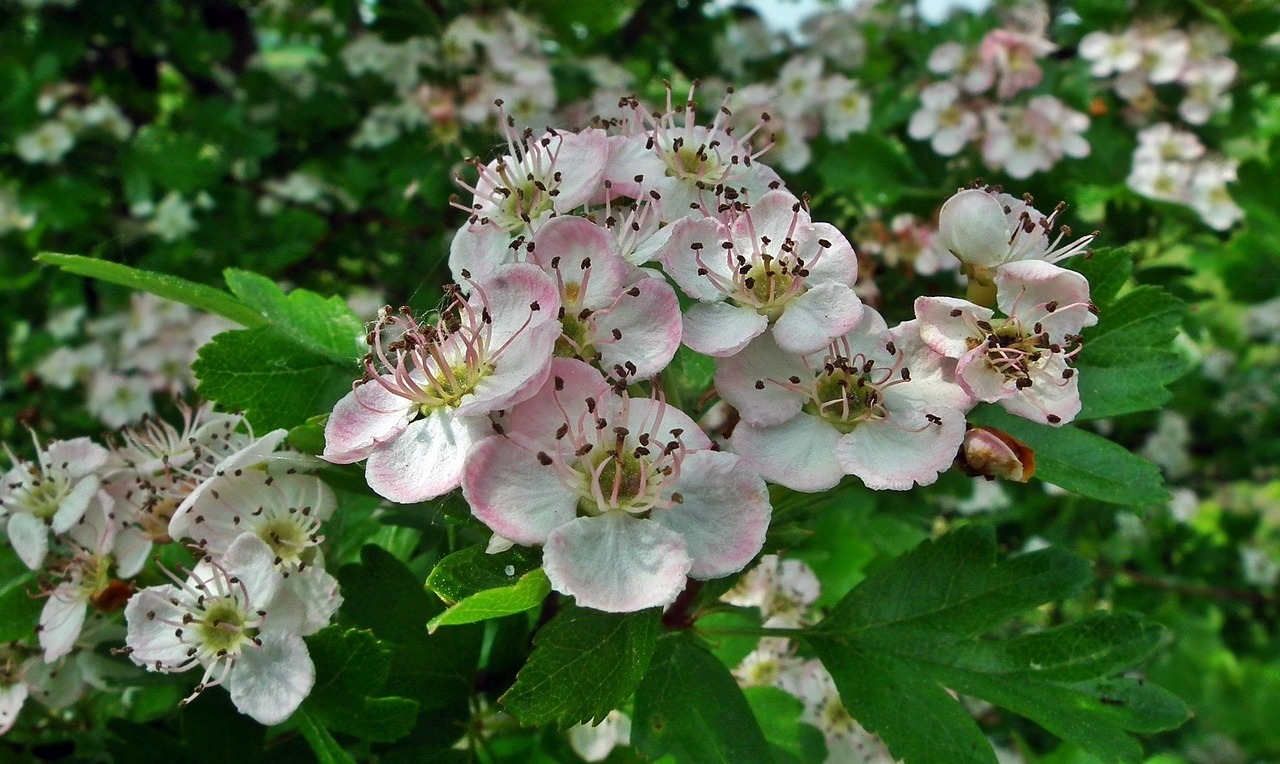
[
  {"x": 224, "y": 618},
  {"x": 846, "y": 108},
  {"x": 596, "y": 742},
  {"x": 986, "y": 229},
  {"x": 1207, "y": 88},
  {"x": 1209, "y": 195},
  {"x": 846, "y": 740},
  {"x": 429, "y": 388},
  {"x": 942, "y": 120},
  {"x": 765, "y": 267},
  {"x": 1024, "y": 141},
  {"x": 907, "y": 242},
  {"x": 1013, "y": 55},
  {"x": 610, "y": 313},
  {"x": 1023, "y": 360},
  {"x": 13, "y": 687},
  {"x": 626, "y": 496},
  {"x": 47, "y": 144},
  {"x": 783, "y": 590},
  {"x": 50, "y": 494},
  {"x": 875, "y": 403},
  {"x": 1111, "y": 54}
]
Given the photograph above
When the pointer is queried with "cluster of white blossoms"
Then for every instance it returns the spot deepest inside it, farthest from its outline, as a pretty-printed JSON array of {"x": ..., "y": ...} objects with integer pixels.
[
  {"x": 1171, "y": 165},
  {"x": 68, "y": 112},
  {"x": 803, "y": 102},
  {"x": 1154, "y": 53},
  {"x": 973, "y": 105},
  {"x": 905, "y": 241},
  {"x": 129, "y": 357},
  {"x": 535, "y": 387},
  {"x": 86, "y": 517}
]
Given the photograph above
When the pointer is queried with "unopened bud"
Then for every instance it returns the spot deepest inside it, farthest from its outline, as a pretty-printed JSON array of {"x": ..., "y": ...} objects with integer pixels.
[{"x": 995, "y": 454}]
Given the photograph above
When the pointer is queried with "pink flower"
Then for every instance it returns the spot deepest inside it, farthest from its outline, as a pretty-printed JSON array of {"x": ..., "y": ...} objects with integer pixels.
[
  {"x": 611, "y": 313},
  {"x": 429, "y": 388},
  {"x": 876, "y": 403},
  {"x": 1021, "y": 361},
  {"x": 1014, "y": 55},
  {"x": 626, "y": 496},
  {"x": 765, "y": 266}
]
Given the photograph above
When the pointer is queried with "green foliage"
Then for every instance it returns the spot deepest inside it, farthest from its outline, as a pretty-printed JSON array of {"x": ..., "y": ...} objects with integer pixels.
[
  {"x": 352, "y": 667},
  {"x": 1080, "y": 461},
  {"x": 478, "y": 586},
  {"x": 918, "y": 626},
  {"x": 324, "y": 326},
  {"x": 690, "y": 707},
  {"x": 584, "y": 664},
  {"x": 790, "y": 741},
  {"x": 18, "y": 608}
]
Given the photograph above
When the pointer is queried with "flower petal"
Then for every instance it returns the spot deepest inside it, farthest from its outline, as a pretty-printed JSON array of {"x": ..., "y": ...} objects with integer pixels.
[
  {"x": 364, "y": 417},
  {"x": 752, "y": 382},
  {"x": 721, "y": 329},
  {"x": 61, "y": 621},
  {"x": 798, "y": 454},
  {"x": 649, "y": 325},
  {"x": 270, "y": 681},
  {"x": 616, "y": 562},
  {"x": 811, "y": 320},
  {"x": 426, "y": 460},
  {"x": 30, "y": 538},
  {"x": 514, "y": 494},
  {"x": 902, "y": 450}
]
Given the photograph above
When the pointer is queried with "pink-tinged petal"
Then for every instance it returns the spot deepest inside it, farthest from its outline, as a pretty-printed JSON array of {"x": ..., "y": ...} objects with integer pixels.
[
  {"x": 723, "y": 515},
  {"x": 1048, "y": 396},
  {"x": 570, "y": 242},
  {"x": 616, "y": 562},
  {"x": 835, "y": 263},
  {"x": 75, "y": 504},
  {"x": 97, "y": 529},
  {"x": 580, "y": 160},
  {"x": 650, "y": 326},
  {"x": 150, "y": 616},
  {"x": 1022, "y": 288},
  {"x": 517, "y": 373},
  {"x": 61, "y": 621},
  {"x": 973, "y": 226},
  {"x": 720, "y": 329},
  {"x": 753, "y": 382},
  {"x": 799, "y": 453},
  {"x": 11, "y": 699},
  {"x": 643, "y": 415},
  {"x": 30, "y": 538},
  {"x": 364, "y": 417},
  {"x": 251, "y": 560},
  {"x": 902, "y": 450},
  {"x": 540, "y": 416},
  {"x": 628, "y": 157},
  {"x": 982, "y": 380},
  {"x": 776, "y": 215},
  {"x": 943, "y": 331},
  {"x": 270, "y": 681},
  {"x": 509, "y": 293},
  {"x": 307, "y": 601},
  {"x": 513, "y": 493},
  {"x": 933, "y": 376},
  {"x": 694, "y": 259},
  {"x": 477, "y": 250},
  {"x": 426, "y": 460},
  {"x": 811, "y": 320},
  {"x": 80, "y": 456}
]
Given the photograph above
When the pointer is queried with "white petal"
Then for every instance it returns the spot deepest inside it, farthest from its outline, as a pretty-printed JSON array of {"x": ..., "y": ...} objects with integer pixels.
[
  {"x": 514, "y": 494},
  {"x": 74, "y": 505},
  {"x": 269, "y": 682},
  {"x": 650, "y": 326},
  {"x": 972, "y": 224},
  {"x": 11, "y": 699},
  {"x": 250, "y": 560},
  {"x": 762, "y": 360},
  {"x": 799, "y": 453},
  {"x": 721, "y": 329},
  {"x": 426, "y": 460},
  {"x": 616, "y": 562},
  {"x": 308, "y": 598},
  {"x": 30, "y": 538},
  {"x": 61, "y": 621},
  {"x": 903, "y": 450},
  {"x": 811, "y": 320},
  {"x": 944, "y": 332},
  {"x": 151, "y": 637},
  {"x": 366, "y": 415}
]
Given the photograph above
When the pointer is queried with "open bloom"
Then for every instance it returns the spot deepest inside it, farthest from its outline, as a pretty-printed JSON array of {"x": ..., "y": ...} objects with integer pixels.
[
  {"x": 429, "y": 388},
  {"x": 223, "y": 618},
  {"x": 51, "y": 494},
  {"x": 1021, "y": 361},
  {"x": 767, "y": 265},
  {"x": 626, "y": 496},
  {"x": 875, "y": 403},
  {"x": 986, "y": 228},
  {"x": 943, "y": 120}
]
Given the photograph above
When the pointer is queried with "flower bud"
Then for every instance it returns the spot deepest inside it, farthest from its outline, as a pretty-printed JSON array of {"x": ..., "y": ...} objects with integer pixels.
[{"x": 992, "y": 453}]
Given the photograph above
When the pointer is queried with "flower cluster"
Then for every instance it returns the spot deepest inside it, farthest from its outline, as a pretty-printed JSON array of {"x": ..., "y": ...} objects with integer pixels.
[
  {"x": 69, "y": 111},
  {"x": 973, "y": 105},
  {"x": 536, "y": 386},
  {"x": 905, "y": 242},
  {"x": 86, "y": 517},
  {"x": 1171, "y": 165},
  {"x": 1154, "y": 53},
  {"x": 129, "y": 356}
]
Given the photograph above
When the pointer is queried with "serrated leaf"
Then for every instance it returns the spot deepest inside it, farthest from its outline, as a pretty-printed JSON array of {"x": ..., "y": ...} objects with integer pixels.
[
  {"x": 584, "y": 664},
  {"x": 690, "y": 707},
  {"x": 916, "y": 628},
  {"x": 351, "y": 670},
  {"x": 324, "y": 325},
  {"x": 525, "y": 594},
  {"x": 470, "y": 571},
  {"x": 1080, "y": 461},
  {"x": 322, "y": 744},
  {"x": 163, "y": 285},
  {"x": 1146, "y": 316},
  {"x": 1107, "y": 271},
  {"x": 269, "y": 377}
]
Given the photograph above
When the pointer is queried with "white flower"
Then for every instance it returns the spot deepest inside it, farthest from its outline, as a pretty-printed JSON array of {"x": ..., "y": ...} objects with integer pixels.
[
  {"x": 1109, "y": 54},
  {"x": 46, "y": 144},
  {"x": 947, "y": 124},
  {"x": 51, "y": 494},
  {"x": 595, "y": 743},
  {"x": 117, "y": 400},
  {"x": 173, "y": 218},
  {"x": 846, "y": 108}
]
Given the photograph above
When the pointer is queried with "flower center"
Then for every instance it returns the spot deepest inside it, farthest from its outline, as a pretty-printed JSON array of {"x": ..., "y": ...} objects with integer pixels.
[
  {"x": 222, "y": 629},
  {"x": 620, "y": 480},
  {"x": 42, "y": 497}
]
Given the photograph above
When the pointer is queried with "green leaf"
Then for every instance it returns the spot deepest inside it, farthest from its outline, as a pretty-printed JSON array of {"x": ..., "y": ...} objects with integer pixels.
[
  {"x": 470, "y": 571},
  {"x": 325, "y": 326},
  {"x": 525, "y": 594},
  {"x": 326, "y": 749},
  {"x": 917, "y": 627},
  {"x": 874, "y": 168},
  {"x": 1107, "y": 271},
  {"x": 269, "y": 377},
  {"x": 779, "y": 713},
  {"x": 352, "y": 667},
  {"x": 1080, "y": 461},
  {"x": 687, "y": 377},
  {"x": 175, "y": 288},
  {"x": 690, "y": 707},
  {"x": 584, "y": 664},
  {"x": 19, "y": 611}
]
